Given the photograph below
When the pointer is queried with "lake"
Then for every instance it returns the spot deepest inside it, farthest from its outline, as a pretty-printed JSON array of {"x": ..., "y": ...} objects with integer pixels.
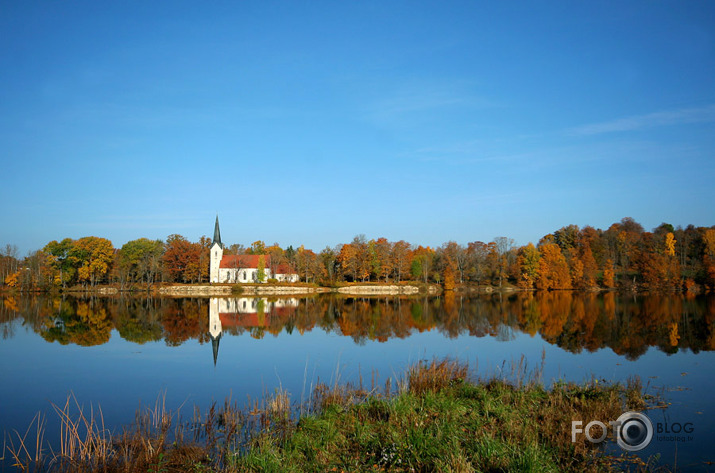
[{"x": 123, "y": 353}]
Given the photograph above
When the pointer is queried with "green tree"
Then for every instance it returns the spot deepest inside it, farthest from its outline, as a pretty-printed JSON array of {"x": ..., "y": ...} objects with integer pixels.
[
  {"x": 63, "y": 271},
  {"x": 141, "y": 259},
  {"x": 261, "y": 273}
]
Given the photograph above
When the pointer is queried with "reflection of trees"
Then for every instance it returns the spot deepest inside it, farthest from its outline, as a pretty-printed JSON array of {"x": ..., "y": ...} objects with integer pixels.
[
  {"x": 628, "y": 325},
  {"x": 137, "y": 320},
  {"x": 83, "y": 322},
  {"x": 185, "y": 319}
]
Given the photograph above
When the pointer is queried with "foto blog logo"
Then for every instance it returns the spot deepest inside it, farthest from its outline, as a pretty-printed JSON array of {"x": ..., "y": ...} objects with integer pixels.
[{"x": 633, "y": 431}]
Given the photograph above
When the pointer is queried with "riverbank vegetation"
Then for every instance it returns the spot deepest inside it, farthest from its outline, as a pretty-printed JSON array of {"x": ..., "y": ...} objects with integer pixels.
[
  {"x": 623, "y": 256},
  {"x": 434, "y": 418}
]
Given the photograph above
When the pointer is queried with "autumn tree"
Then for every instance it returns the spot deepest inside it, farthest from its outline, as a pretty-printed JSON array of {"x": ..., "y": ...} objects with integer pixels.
[
  {"x": 258, "y": 247},
  {"x": 277, "y": 257},
  {"x": 204, "y": 249},
  {"x": 553, "y": 269},
  {"x": 309, "y": 265},
  {"x": 354, "y": 258},
  {"x": 347, "y": 258},
  {"x": 401, "y": 256},
  {"x": 628, "y": 237},
  {"x": 589, "y": 266},
  {"x": 477, "y": 255},
  {"x": 422, "y": 263},
  {"x": 383, "y": 258},
  {"x": 608, "y": 274},
  {"x": 93, "y": 257},
  {"x": 709, "y": 257},
  {"x": 9, "y": 262},
  {"x": 449, "y": 277},
  {"x": 329, "y": 260},
  {"x": 528, "y": 263},
  {"x": 567, "y": 237},
  {"x": 182, "y": 259},
  {"x": 657, "y": 263}
]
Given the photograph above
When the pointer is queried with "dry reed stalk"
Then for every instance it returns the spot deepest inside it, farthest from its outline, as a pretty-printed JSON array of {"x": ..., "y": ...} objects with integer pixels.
[
  {"x": 82, "y": 438},
  {"x": 21, "y": 455}
]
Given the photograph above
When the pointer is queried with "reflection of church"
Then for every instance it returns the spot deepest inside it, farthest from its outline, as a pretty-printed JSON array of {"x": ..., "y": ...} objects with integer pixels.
[
  {"x": 244, "y": 312},
  {"x": 215, "y": 327}
]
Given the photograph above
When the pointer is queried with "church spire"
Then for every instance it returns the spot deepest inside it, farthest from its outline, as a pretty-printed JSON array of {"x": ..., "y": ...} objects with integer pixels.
[
  {"x": 214, "y": 346},
  {"x": 217, "y": 234}
]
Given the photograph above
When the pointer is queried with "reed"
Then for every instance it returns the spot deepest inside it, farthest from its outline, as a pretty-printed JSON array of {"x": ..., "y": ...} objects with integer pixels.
[{"x": 25, "y": 456}]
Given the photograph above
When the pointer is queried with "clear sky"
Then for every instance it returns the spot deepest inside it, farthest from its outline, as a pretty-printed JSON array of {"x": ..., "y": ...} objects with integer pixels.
[{"x": 310, "y": 122}]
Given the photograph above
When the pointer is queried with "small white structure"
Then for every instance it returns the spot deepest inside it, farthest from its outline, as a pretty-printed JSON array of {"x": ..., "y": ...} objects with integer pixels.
[{"x": 243, "y": 268}]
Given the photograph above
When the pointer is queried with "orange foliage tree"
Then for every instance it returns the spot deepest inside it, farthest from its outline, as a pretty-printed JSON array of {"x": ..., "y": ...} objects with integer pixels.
[
  {"x": 609, "y": 274},
  {"x": 553, "y": 269},
  {"x": 449, "y": 277},
  {"x": 183, "y": 260}
]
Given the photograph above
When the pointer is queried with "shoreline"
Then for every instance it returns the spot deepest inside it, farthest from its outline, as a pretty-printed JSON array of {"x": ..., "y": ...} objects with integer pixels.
[{"x": 289, "y": 289}]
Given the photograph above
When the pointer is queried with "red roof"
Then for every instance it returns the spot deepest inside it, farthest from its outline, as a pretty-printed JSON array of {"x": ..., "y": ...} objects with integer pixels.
[
  {"x": 251, "y": 261},
  {"x": 243, "y": 261}
]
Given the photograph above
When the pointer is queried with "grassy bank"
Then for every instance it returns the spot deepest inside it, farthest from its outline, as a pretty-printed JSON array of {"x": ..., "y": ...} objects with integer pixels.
[{"x": 435, "y": 419}]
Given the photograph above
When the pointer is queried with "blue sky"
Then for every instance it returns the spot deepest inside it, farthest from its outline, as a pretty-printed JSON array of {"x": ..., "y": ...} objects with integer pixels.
[{"x": 311, "y": 122}]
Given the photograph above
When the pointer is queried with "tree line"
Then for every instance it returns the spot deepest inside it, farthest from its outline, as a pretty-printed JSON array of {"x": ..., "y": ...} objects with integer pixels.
[{"x": 624, "y": 256}]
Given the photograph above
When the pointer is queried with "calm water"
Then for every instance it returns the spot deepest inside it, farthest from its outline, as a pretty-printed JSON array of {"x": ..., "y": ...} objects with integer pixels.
[{"x": 124, "y": 353}]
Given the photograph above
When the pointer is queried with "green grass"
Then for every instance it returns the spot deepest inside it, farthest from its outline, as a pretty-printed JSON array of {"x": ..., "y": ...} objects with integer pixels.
[
  {"x": 438, "y": 420},
  {"x": 456, "y": 427}
]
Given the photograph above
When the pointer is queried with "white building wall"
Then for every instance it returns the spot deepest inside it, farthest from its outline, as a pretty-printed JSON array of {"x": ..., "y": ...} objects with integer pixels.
[
  {"x": 241, "y": 275},
  {"x": 215, "y": 262},
  {"x": 287, "y": 277}
]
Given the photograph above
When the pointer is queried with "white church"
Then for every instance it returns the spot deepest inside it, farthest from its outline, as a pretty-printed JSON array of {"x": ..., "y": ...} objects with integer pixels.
[{"x": 243, "y": 268}]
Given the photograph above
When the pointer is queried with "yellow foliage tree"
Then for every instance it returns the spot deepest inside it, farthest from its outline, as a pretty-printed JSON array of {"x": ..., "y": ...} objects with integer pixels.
[
  {"x": 528, "y": 265},
  {"x": 670, "y": 244},
  {"x": 13, "y": 279},
  {"x": 94, "y": 256}
]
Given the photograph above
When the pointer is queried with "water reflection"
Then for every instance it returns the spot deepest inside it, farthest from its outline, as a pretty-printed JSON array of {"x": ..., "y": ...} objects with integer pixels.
[{"x": 572, "y": 321}]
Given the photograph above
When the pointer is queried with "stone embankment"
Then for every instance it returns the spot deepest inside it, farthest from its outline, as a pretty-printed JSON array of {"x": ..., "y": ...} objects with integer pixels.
[
  {"x": 271, "y": 290},
  {"x": 368, "y": 290},
  {"x": 224, "y": 290}
]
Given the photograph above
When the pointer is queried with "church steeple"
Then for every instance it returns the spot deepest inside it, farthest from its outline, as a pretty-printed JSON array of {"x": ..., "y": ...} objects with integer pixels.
[
  {"x": 217, "y": 234},
  {"x": 216, "y": 255}
]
